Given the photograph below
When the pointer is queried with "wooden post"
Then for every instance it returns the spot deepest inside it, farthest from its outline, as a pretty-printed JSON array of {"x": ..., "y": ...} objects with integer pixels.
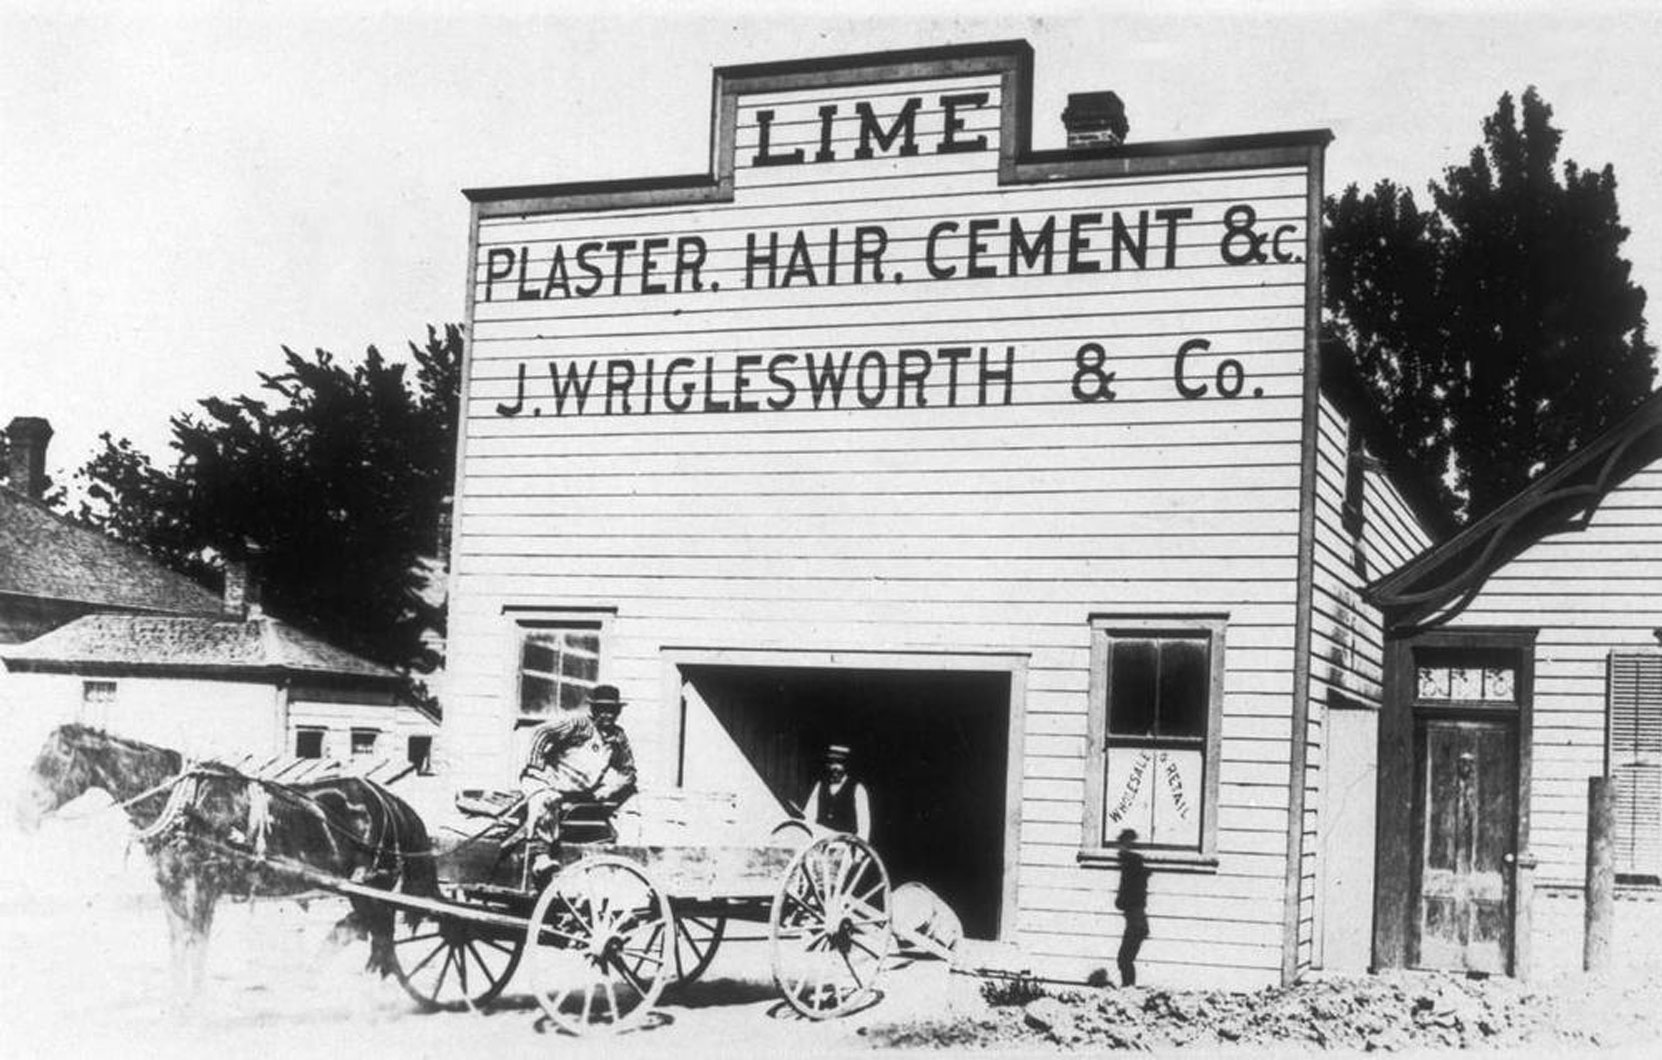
[{"x": 1601, "y": 873}]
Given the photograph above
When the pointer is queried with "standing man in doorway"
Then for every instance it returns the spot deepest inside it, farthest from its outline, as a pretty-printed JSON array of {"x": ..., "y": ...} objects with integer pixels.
[
  {"x": 1132, "y": 900},
  {"x": 838, "y": 801}
]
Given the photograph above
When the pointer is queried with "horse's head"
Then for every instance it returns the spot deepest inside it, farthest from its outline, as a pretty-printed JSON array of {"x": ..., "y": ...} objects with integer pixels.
[{"x": 76, "y": 758}]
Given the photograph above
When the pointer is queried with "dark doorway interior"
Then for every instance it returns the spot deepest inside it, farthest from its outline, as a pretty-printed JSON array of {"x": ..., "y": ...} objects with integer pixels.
[{"x": 932, "y": 748}]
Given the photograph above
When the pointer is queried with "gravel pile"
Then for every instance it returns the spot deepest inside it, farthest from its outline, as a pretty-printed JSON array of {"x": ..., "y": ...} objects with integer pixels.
[{"x": 1386, "y": 1013}]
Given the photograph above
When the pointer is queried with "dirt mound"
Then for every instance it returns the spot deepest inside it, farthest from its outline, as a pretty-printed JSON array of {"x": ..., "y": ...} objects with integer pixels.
[{"x": 1386, "y": 1012}]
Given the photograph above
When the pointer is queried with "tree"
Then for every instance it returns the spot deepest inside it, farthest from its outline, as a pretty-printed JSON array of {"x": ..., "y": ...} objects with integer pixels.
[
  {"x": 1499, "y": 329},
  {"x": 339, "y": 474}
]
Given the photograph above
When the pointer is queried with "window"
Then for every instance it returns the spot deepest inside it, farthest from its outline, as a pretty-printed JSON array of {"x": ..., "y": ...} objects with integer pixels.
[
  {"x": 96, "y": 699},
  {"x": 558, "y": 663},
  {"x": 308, "y": 743},
  {"x": 420, "y": 754},
  {"x": 1156, "y": 700},
  {"x": 1466, "y": 677},
  {"x": 1634, "y": 746},
  {"x": 363, "y": 741}
]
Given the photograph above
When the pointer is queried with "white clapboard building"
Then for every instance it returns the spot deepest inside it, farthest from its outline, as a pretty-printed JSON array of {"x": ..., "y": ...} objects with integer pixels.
[
  {"x": 1013, "y": 470},
  {"x": 1525, "y": 656}
]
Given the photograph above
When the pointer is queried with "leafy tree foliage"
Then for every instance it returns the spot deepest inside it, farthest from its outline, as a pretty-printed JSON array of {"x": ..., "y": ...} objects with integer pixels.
[
  {"x": 339, "y": 474},
  {"x": 1499, "y": 329}
]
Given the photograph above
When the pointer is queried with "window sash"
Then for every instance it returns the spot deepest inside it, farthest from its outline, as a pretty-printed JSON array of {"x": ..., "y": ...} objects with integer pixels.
[
  {"x": 1633, "y": 755},
  {"x": 1180, "y": 768}
]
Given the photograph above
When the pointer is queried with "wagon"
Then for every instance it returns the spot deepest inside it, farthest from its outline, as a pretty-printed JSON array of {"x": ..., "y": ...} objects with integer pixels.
[{"x": 618, "y": 923}]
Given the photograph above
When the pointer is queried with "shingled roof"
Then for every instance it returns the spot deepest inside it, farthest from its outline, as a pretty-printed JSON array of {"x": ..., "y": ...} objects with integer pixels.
[
  {"x": 45, "y": 556},
  {"x": 223, "y": 646}
]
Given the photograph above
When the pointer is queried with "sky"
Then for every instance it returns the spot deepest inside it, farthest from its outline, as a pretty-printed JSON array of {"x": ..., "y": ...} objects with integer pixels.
[{"x": 186, "y": 187}]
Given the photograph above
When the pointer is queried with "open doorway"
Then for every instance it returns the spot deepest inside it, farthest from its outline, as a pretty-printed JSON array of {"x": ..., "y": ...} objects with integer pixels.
[{"x": 931, "y": 746}]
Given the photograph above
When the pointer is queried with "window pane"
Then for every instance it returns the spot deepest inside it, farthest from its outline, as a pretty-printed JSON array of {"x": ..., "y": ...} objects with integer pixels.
[
  {"x": 1128, "y": 793},
  {"x": 540, "y": 653},
  {"x": 573, "y": 696},
  {"x": 1177, "y": 797},
  {"x": 1498, "y": 684},
  {"x": 1465, "y": 682},
  {"x": 308, "y": 743},
  {"x": 587, "y": 642},
  {"x": 1185, "y": 688},
  {"x": 537, "y": 695},
  {"x": 363, "y": 741},
  {"x": 1132, "y": 686},
  {"x": 1433, "y": 682},
  {"x": 583, "y": 667}
]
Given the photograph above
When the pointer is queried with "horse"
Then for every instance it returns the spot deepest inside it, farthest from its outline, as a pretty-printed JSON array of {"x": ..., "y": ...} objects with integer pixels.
[{"x": 213, "y": 832}]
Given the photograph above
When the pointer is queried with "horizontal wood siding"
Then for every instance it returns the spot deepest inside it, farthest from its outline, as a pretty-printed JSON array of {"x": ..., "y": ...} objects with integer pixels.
[
  {"x": 1589, "y": 592},
  {"x": 1347, "y": 651},
  {"x": 980, "y": 507}
]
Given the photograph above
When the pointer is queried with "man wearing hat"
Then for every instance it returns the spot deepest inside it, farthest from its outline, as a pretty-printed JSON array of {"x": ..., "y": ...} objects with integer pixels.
[
  {"x": 838, "y": 801},
  {"x": 577, "y": 754}
]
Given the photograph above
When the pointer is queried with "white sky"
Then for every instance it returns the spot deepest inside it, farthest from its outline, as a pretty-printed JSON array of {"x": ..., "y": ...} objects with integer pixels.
[{"x": 184, "y": 187}]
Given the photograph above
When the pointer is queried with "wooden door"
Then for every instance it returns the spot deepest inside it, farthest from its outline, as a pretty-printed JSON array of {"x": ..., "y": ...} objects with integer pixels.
[{"x": 1466, "y": 811}]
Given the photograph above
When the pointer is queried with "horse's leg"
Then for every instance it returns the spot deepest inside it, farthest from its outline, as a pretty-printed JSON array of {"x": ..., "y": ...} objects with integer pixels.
[
  {"x": 172, "y": 882},
  {"x": 205, "y": 895}
]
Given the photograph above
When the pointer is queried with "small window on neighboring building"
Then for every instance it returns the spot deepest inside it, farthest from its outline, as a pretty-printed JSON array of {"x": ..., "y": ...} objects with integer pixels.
[
  {"x": 1634, "y": 747},
  {"x": 421, "y": 754},
  {"x": 96, "y": 699},
  {"x": 308, "y": 743},
  {"x": 363, "y": 741},
  {"x": 558, "y": 664},
  {"x": 1156, "y": 707}
]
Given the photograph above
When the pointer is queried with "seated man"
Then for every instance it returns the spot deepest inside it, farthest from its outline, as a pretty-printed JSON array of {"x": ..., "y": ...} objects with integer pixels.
[{"x": 575, "y": 755}]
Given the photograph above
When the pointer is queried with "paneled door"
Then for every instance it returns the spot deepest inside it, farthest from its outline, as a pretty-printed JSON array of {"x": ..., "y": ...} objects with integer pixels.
[{"x": 1466, "y": 811}]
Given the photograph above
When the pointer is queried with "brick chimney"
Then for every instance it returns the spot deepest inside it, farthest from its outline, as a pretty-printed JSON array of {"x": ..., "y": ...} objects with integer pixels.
[
  {"x": 1095, "y": 119},
  {"x": 26, "y": 463},
  {"x": 242, "y": 584}
]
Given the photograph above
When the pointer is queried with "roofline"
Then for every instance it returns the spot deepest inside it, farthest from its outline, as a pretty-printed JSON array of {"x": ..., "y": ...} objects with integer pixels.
[
  {"x": 127, "y": 546},
  {"x": 1645, "y": 416},
  {"x": 1343, "y": 385},
  {"x": 262, "y": 673},
  {"x": 1018, "y": 163},
  {"x": 108, "y": 608}
]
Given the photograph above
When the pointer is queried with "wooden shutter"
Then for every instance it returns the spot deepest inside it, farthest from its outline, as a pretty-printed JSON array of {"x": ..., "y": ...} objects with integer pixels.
[{"x": 1635, "y": 760}]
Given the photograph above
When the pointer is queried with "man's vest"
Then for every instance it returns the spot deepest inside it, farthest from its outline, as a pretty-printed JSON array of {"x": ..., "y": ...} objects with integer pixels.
[{"x": 836, "y": 811}]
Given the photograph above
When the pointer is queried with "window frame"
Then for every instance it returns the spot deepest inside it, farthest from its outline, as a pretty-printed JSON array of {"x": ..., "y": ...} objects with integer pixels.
[
  {"x": 1622, "y": 841},
  {"x": 322, "y": 735},
  {"x": 98, "y": 697},
  {"x": 522, "y": 619},
  {"x": 1105, "y": 630},
  {"x": 374, "y": 735}
]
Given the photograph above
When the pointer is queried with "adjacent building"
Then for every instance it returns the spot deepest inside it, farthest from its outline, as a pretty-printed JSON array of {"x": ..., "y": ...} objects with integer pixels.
[
  {"x": 94, "y": 630},
  {"x": 1525, "y": 656}
]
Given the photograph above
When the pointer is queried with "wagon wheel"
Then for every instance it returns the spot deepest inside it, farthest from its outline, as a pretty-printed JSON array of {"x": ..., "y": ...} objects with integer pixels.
[
  {"x": 696, "y": 940},
  {"x": 830, "y": 927},
  {"x": 445, "y": 962},
  {"x": 599, "y": 945}
]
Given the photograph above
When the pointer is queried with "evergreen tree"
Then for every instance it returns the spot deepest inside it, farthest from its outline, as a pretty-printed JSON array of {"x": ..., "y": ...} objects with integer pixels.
[
  {"x": 1499, "y": 329},
  {"x": 339, "y": 474}
]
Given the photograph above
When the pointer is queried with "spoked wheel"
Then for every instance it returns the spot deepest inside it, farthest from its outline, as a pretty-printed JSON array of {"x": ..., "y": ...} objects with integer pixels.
[
  {"x": 830, "y": 927},
  {"x": 696, "y": 940},
  {"x": 445, "y": 962},
  {"x": 599, "y": 945}
]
